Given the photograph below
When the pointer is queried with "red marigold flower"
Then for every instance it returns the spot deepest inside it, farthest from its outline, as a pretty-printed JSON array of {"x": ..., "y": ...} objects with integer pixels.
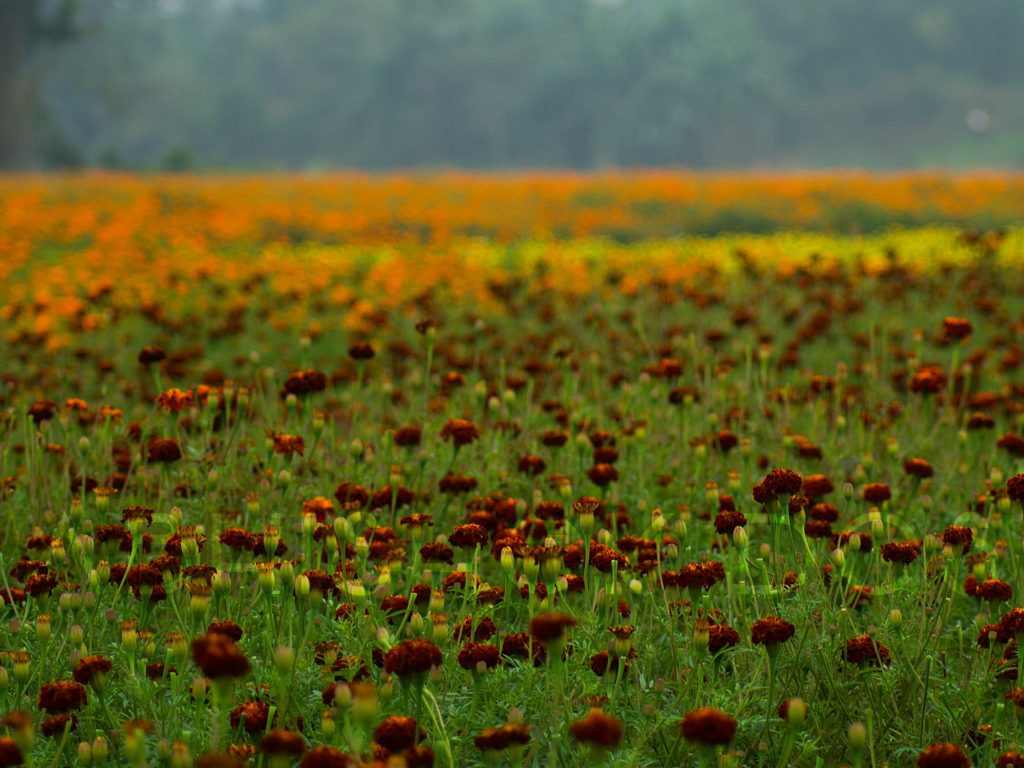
[
  {"x": 10, "y": 752},
  {"x": 1015, "y": 488},
  {"x": 361, "y": 350},
  {"x": 598, "y": 729},
  {"x": 531, "y": 464},
  {"x": 918, "y": 468},
  {"x": 162, "y": 450},
  {"x": 518, "y": 645},
  {"x": 726, "y": 522},
  {"x": 468, "y": 535},
  {"x": 554, "y": 438},
  {"x": 57, "y": 725},
  {"x": 503, "y": 737},
  {"x": 993, "y": 590},
  {"x": 437, "y": 552},
  {"x": 943, "y": 755},
  {"x": 225, "y": 627},
  {"x": 252, "y": 715},
  {"x": 397, "y": 733},
  {"x": 958, "y": 536},
  {"x": 928, "y": 381},
  {"x": 771, "y": 630},
  {"x": 472, "y": 654},
  {"x": 876, "y": 493},
  {"x": 151, "y": 354},
  {"x": 816, "y": 486},
  {"x": 1011, "y": 443},
  {"x": 288, "y": 445},
  {"x": 904, "y": 552},
  {"x": 351, "y": 496},
  {"x": 460, "y": 432},
  {"x": 61, "y": 696},
  {"x": 408, "y": 436},
  {"x": 302, "y": 383},
  {"x": 175, "y": 400},
  {"x": 721, "y": 636},
  {"x": 238, "y": 539},
  {"x": 863, "y": 650},
  {"x": 550, "y": 627},
  {"x": 327, "y": 757},
  {"x": 603, "y": 474},
  {"x": 282, "y": 742},
  {"x": 1011, "y": 759},
  {"x": 956, "y": 328},
  {"x": 89, "y": 667},
  {"x": 412, "y": 657},
  {"x": 708, "y": 726},
  {"x": 218, "y": 656}
]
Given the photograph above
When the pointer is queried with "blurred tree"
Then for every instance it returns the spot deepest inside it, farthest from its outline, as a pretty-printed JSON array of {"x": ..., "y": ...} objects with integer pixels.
[
  {"x": 570, "y": 83},
  {"x": 25, "y": 24}
]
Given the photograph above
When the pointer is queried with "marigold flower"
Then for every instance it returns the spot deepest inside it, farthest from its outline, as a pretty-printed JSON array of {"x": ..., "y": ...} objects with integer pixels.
[
  {"x": 771, "y": 630},
  {"x": 708, "y": 726},
  {"x": 460, "y": 432},
  {"x": 282, "y": 742},
  {"x": 162, "y": 450},
  {"x": 327, "y": 757},
  {"x": 252, "y": 715},
  {"x": 958, "y": 536},
  {"x": 57, "y": 725},
  {"x": 89, "y": 667},
  {"x": 863, "y": 650},
  {"x": 412, "y": 657},
  {"x": 397, "y": 733},
  {"x": 550, "y": 627},
  {"x": 597, "y": 729},
  {"x": 468, "y": 535},
  {"x": 1015, "y": 488},
  {"x": 503, "y": 737},
  {"x": 943, "y": 755},
  {"x": 473, "y": 654},
  {"x": 956, "y": 328},
  {"x": 10, "y": 752},
  {"x": 175, "y": 400},
  {"x": 218, "y": 656},
  {"x": 61, "y": 696},
  {"x": 904, "y": 552},
  {"x": 876, "y": 493},
  {"x": 306, "y": 382},
  {"x": 408, "y": 436}
]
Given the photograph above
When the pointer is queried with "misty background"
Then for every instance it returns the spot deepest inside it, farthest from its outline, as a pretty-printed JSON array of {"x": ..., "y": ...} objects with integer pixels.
[{"x": 380, "y": 84}]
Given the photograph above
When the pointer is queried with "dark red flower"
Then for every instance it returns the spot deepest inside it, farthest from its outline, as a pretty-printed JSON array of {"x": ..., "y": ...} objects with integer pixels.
[
  {"x": 460, "y": 432},
  {"x": 412, "y": 657},
  {"x": 472, "y": 654},
  {"x": 397, "y": 733},
  {"x": 61, "y": 696},
  {"x": 162, "y": 450},
  {"x": 708, "y": 726},
  {"x": 771, "y": 630},
  {"x": 863, "y": 650},
  {"x": 598, "y": 729},
  {"x": 218, "y": 656},
  {"x": 550, "y": 627},
  {"x": 502, "y": 737},
  {"x": 943, "y": 755},
  {"x": 876, "y": 493}
]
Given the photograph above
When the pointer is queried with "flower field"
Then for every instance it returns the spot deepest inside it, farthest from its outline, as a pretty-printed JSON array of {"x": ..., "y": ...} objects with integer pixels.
[{"x": 525, "y": 471}]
